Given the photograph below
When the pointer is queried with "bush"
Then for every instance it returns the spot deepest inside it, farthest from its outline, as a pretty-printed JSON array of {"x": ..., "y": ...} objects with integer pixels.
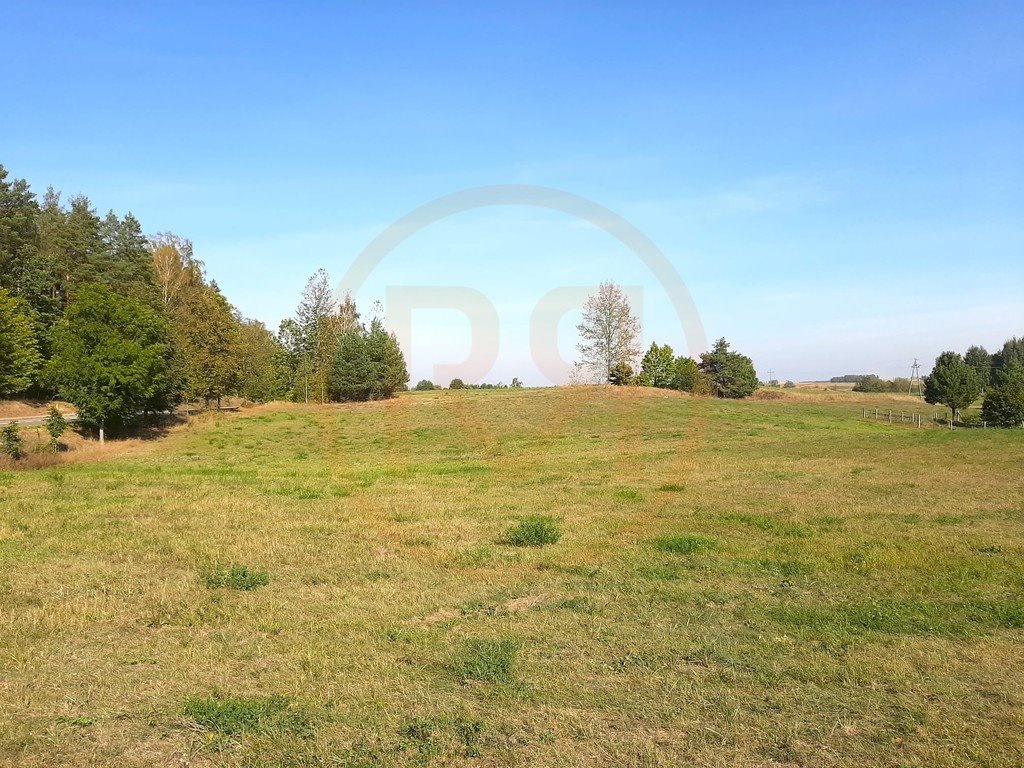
[
  {"x": 235, "y": 577},
  {"x": 56, "y": 424},
  {"x": 789, "y": 385},
  {"x": 685, "y": 545},
  {"x": 424, "y": 385},
  {"x": 533, "y": 531},
  {"x": 621, "y": 375},
  {"x": 731, "y": 374},
  {"x": 11, "y": 442},
  {"x": 1004, "y": 403},
  {"x": 488, "y": 661},
  {"x": 457, "y": 384}
]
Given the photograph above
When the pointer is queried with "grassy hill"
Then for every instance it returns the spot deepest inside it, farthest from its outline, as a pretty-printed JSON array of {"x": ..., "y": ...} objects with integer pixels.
[{"x": 773, "y": 581}]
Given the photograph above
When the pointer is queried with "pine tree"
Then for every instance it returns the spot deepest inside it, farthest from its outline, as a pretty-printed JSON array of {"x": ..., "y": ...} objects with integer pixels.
[
  {"x": 656, "y": 370},
  {"x": 1004, "y": 401},
  {"x": 730, "y": 373}
]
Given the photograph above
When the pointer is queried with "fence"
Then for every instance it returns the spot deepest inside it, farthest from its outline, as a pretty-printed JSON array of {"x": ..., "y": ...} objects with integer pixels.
[
  {"x": 904, "y": 418},
  {"x": 913, "y": 418}
]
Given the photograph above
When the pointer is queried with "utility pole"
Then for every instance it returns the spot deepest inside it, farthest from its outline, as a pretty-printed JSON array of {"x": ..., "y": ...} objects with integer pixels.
[{"x": 915, "y": 378}]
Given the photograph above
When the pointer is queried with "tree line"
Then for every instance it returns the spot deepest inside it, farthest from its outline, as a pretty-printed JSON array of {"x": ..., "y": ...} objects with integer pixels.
[
  {"x": 957, "y": 381},
  {"x": 123, "y": 325},
  {"x": 609, "y": 337}
]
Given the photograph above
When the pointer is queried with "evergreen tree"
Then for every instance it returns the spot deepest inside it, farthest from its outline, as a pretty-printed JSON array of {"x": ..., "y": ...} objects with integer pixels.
[
  {"x": 656, "y": 370},
  {"x": 730, "y": 373},
  {"x": 622, "y": 375},
  {"x": 21, "y": 271},
  {"x": 19, "y": 351},
  {"x": 685, "y": 374},
  {"x": 126, "y": 264},
  {"x": 1004, "y": 401},
  {"x": 981, "y": 361},
  {"x": 390, "y": 372},
  {"x": 353, "y": 368},
  {"x": 111, "y": 358},
  {"x": 952, "y": 383}
]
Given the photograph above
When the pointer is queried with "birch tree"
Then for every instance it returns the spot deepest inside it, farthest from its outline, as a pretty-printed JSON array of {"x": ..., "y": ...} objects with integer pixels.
[{"x": 609, "y": 334}]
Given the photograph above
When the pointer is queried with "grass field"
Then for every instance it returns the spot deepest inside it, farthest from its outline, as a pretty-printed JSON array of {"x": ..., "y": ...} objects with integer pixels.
[{"x": 765, "y": 582}]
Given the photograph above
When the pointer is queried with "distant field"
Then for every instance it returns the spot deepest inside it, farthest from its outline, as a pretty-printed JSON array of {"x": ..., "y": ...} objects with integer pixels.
[{"x": 767, "y": 582}]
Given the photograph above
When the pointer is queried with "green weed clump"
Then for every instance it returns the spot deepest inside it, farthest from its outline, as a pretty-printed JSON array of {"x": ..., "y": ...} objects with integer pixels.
[
  {"x": 235, "y": 715},
  {"x": 685, "y": 545},
  {"x": 533, "y": 531},
  {"x": 235, "y": 577},
  {"x": 487, "y": 661}
]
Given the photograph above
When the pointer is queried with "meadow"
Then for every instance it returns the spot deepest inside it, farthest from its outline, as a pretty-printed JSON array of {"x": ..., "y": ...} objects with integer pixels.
[{"x": 553, "y": 577}]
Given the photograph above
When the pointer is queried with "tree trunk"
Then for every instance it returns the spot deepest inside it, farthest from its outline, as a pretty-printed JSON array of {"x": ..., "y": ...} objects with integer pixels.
[{"x": 101, "y": 431}]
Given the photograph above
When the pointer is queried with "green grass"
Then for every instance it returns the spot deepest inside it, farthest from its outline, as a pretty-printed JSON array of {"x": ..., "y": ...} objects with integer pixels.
[
  {"x": 685, "y": 545},
  {"x": 235, "y": 577},
  {"x": 533, "y": 531},
  {"x": 487, "y": 661},
  {"x": 764, "y": 582}
]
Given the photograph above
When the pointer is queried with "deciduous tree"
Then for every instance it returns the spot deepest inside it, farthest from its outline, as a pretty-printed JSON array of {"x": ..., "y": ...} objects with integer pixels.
[
  {"x": 608, "y": 333},
  {"x": 19, "y": 350},
  {"x": 952, "y": 383},
  {"x": 111, "y": 358}
]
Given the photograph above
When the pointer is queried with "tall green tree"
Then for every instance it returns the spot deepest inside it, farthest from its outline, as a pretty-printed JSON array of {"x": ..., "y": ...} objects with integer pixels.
[
  {"x": 21, "y": 271},
  {"x": 687, "y": 376},
  {"x": 657, "y": 367},
  {"x": 368, "y": 364},
  {"x": 730, "y": 373},
  {"x": 19, "y": 350},
  {"x": 1012, "y": 353},
  {"x": 125, "y": 264},
  {"x": 952, "y": 383},
  {"x": 260, "y": 375},
  {"x": 111, "y": 359},
  {"x": 1004, "y": 401},
  {"x": 981, "y": 361},
  {"x": 207, "y": 338}
]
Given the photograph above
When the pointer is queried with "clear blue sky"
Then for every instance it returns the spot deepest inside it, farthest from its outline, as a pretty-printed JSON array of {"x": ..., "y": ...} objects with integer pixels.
[{"x": 841, "y": 186}]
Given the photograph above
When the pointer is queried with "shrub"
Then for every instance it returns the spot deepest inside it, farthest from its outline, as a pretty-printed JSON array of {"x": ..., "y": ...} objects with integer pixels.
[
  {"x": 533, "y": 531},
  {"x": 789, "y": 385},
  {"x": 424, "y": 385},
  {"x": 621, "y": 375},
  {"x": 10, "y": 441},
  {"x": 457, "y": 384},
  {"x": 685, "y": 545},
  {"x": 1004, "y": 402},
  {"x": 488, "y": 661},
  {"x": 235, "y": 577},
  {"x": 731, "y": 374},
  {"x": 56, "y": 424}
]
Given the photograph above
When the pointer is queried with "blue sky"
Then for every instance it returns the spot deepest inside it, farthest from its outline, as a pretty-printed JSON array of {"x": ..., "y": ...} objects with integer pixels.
[{"x": 841, "y": 188}]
